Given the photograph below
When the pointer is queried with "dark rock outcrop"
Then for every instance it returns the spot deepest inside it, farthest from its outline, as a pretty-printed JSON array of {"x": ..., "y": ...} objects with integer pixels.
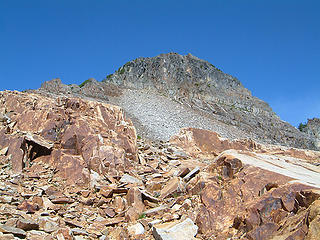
[{"x": 312, "y": 128}]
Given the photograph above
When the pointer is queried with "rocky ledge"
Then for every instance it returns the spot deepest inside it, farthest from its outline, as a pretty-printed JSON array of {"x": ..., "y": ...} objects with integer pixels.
[{"x": 74, "y": 169}]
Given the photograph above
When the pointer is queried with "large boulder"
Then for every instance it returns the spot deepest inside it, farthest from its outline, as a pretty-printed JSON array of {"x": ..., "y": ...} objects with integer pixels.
[
  {"x": 78, "y": 137},
  {"x": 252, "y": 190}
]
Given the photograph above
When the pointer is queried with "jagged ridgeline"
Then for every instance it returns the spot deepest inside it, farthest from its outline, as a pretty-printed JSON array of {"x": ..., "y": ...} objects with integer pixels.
[
  {"x": 184, "y": 78},
  {"x": 201, "y": 85}
]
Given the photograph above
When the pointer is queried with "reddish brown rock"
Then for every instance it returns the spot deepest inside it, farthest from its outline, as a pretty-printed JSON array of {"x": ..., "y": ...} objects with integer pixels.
[
  {"x": 119, "y": 204},
  {"x": 73, "y": 135},
  {"x": 134, "y": 199},
  {"x": 28, "y": 207},
  {"x": 240, "y": 203},
  {"x": 109, "y": 212},
  {"x": 106, "y": 192},
  {"x": 17, "y": 151},
  {"x": 262, "y": 232},
  {"x": 207, "y": 144},
  {"x": 203, "y": 142},
  {"x": 314, "y": 229},
  {"x": 173, "y": 186},
  {"x": 27, "y": 225},
  {"x": 64, "y": 233},
  {"x": 62, "y": 200}
]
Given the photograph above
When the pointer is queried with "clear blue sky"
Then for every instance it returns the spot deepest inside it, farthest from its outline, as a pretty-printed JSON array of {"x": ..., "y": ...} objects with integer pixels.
[{"x": 271, "y": 46}]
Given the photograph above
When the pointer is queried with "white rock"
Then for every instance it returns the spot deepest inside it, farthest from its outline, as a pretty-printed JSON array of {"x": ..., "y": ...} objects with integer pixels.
[
  {"x": 48, "y": 224},
  {"x": 126, "y": 178},
  {"x": 4, "y": 151},
  {"x": 176, "y": 207},
  {"x": 154, "y": 222},
  {"x": 136, "y": 229},
  {"x": 185, "y": 230},
  {"x": 6, "y": 199}
]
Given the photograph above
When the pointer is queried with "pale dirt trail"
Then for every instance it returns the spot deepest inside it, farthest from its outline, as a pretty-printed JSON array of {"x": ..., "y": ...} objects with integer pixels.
[{"x": 158, "y": 117}]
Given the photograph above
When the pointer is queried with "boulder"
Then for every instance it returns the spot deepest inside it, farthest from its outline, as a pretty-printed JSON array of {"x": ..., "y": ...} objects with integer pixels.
[
  {"x": 27, "y": 225},
  {"x": 77, "y": 137},
  {"x": 12, "y": 230},
  {"x": 185, "y": 230}
]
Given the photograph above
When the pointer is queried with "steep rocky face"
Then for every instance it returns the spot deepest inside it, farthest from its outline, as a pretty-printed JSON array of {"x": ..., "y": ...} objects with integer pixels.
[
  {"x": 313, "y": 129},
  {"x": 187, "y": 79},
  {"x": 197, "y": 83}
]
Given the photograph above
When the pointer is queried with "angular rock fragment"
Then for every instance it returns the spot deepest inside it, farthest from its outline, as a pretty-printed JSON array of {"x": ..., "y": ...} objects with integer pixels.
[
  {"x": 126, "y": 178},
  {"x": 27, "y": 225},
  {"x": 4, "y": 151},
  {"x": 7, "y": 236},
  {"x": 183, "y": 172},
  {"x": 134, "y": 199},
  {"x": 62, "y": 200},
  {"x": 136, "y": 229},
  {"x": 185, "y": 230},
  {"x": 157, "y": 210},
  {"x": 15, "y": 231},
  {"x": 174, "y": 186},
  {"x": 48, "y": 224},
  {"x": 83, "y": 138},
  {"x": 28, "y": 207},
  {"x": 191, "y": 174}
]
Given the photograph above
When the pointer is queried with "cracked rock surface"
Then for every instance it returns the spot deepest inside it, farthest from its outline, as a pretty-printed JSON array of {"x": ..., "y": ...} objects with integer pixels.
[{"x": 72, "y": 168}]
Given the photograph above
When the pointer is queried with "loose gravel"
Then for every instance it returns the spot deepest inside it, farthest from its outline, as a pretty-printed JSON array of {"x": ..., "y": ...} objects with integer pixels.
[{"x": 157, "y": 117}]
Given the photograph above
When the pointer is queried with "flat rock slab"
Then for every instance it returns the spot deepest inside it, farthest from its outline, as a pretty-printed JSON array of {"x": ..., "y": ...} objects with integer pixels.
[
  {"x": 297, "y": 169},
  {"x": 185, "y": 230},
  {"x": 156, "y": 210},
  {"x": 191, "y": 174},
  {"x": 15, "y": 231},
  {"x": 126, "y": 178},
  {"x": 27, "y": 225}
]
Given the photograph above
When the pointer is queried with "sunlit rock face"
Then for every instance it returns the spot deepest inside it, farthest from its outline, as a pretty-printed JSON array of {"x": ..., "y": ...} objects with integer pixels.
[
  {"x": 252, "y": 190},
  {"x": 76, "y": 136}
]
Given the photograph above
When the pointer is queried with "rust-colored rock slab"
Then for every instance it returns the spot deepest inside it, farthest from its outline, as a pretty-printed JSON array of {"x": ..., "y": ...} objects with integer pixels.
[{"x": 78, "y": 137}]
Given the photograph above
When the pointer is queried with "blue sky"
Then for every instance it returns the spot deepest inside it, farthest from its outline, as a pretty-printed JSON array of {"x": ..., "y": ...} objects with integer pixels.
[{"x": 272, "y": 47}]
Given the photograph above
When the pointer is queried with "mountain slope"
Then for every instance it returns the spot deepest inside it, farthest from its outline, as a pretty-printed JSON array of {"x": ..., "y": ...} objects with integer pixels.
[
  {"x": 165, "y": 93},
  {"x": 197, "y": 83}
]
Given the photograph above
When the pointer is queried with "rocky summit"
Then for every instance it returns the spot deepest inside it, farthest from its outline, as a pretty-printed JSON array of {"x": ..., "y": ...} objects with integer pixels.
[
  {"x": 73, "y": 165},
  {"x": 165, "y": 93}
]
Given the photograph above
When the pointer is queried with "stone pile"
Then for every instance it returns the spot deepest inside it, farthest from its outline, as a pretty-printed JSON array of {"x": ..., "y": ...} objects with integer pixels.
[{"x": 75, "y": 169}]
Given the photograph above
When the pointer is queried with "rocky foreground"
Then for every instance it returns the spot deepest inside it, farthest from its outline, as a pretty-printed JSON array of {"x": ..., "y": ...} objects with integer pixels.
[{"x": 74, "y": 169}]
